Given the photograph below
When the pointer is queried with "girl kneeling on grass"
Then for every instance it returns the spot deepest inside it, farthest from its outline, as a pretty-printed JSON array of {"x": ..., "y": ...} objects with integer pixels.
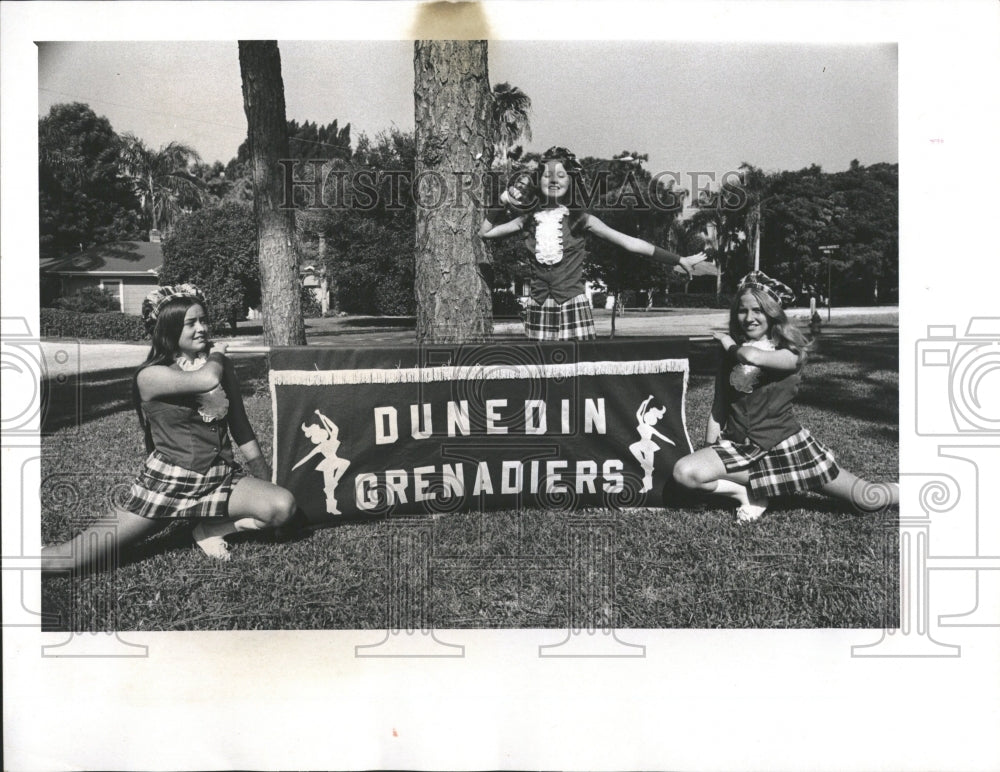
[
  {"x": 547, "y": 205},
  {"x": 188, "y": 401},
  {"x": 756, "y": 447}
]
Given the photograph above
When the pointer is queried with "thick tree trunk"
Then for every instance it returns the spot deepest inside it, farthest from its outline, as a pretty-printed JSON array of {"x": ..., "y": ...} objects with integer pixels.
[
  {"x": 264, "y": 103},
  {"x": 454, "y": 148}
]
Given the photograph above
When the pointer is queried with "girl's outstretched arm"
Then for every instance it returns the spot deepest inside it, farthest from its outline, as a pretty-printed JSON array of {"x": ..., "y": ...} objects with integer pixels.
[
  {"x": 490, "y": 231},
  {"x": 640, "y": 246},
  {"x": 162, "y": 381},
  {"x": 784, "y": 360}
]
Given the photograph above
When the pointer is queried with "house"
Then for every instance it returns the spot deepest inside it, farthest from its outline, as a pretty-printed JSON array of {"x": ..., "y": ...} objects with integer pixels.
[
  {"x": 128, "y": 268},
  {"x": 316, "y": 281}
]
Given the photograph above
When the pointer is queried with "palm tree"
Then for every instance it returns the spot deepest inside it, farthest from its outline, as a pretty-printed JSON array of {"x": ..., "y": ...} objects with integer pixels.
[
  {"x": 161, "y": 178},
  {"x": 510, "y": 113},
  {"x": 755, "y": 183}
]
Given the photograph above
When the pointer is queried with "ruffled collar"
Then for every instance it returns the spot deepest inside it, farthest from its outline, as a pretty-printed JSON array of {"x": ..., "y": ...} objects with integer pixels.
[
  {"x": 212, "y": 405},
  {"x": 549, "y": 235}
]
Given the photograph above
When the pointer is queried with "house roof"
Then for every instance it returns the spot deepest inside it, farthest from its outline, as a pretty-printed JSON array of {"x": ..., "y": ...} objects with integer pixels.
[{"x": 122, "y": 258}]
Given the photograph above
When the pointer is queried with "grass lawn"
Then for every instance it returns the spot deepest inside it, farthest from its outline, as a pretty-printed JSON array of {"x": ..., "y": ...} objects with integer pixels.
[{"x": 809, "y": 562}]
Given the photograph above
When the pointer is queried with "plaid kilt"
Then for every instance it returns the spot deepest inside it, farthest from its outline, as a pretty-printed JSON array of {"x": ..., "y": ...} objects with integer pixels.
[
  {"x": 799, "y": 463},
  {"x": 571, "y": 320},
  {"x": 165, "y": 490}
]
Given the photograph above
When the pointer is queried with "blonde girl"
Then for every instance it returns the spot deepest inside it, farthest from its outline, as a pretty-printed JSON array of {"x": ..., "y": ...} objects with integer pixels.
[{"x": 757, "y": 449}]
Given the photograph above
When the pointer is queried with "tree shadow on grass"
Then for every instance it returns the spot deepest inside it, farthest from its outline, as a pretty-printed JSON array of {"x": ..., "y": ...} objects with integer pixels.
[
  {"x": 840, "y": 397},
  {"x": 876, "y": 350},
  {"x": 70, "y": 402}
]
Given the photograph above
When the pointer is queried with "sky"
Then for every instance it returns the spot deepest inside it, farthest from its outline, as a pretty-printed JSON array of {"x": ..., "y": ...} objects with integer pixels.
[{"x": 692, "y": 107}]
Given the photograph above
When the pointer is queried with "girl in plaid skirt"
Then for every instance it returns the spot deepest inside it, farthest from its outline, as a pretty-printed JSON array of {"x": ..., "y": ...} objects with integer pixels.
[
  {"x": 756, "y": 447},
  {"x": 554, "y": 227},
  {"x": 188, "y": 401}
]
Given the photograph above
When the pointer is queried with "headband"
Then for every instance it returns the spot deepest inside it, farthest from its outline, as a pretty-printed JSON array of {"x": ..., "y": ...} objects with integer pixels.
[
  {"x": 154, "y": 300},
  {"x": 781, "y": 293},
  {"x": 563, "y": 156}
]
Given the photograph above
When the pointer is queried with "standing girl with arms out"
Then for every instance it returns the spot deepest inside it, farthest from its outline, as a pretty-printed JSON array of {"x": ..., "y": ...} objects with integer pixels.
[
  {"x": 757, "y": 449},
  {"x": 188, "y": 401},
  {"x": 554, "y": 228}
]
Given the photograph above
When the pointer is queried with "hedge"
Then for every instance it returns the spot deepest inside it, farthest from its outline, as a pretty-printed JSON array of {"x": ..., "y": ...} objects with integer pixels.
[
  {"x": 697, "y": 300},
  {"x": 112, "y": 325},
  {"x": 506, "y": 303}
]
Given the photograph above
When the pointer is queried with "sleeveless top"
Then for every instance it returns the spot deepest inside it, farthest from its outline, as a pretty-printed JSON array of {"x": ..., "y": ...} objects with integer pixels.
[
  {"x": 557, "y": 257},
  {"x": 188, "y": 441},
  {"x": 764, "y": 413}
]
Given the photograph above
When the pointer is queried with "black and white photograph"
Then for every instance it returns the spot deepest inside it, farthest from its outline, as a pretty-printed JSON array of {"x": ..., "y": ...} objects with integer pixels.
[{"x": 503, "y": 385}]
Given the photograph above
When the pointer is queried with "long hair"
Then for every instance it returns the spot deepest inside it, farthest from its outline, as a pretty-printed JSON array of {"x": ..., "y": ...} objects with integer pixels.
[
  {"x": 574, "y": 171},
  {"x": 165, "y": 335},
  {"x": 780, "y": 329}
]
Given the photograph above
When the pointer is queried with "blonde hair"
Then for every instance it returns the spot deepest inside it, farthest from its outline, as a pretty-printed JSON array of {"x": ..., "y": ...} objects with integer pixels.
[{"x": 782, "y": 332}]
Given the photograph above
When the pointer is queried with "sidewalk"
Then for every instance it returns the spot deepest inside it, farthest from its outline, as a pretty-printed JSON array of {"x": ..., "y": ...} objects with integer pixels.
[{"x": 67, "y": 357}]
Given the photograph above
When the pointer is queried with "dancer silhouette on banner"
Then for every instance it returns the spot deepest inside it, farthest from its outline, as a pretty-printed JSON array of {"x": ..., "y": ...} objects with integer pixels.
[
  {"x": 644, "y": 449},
  {"x": 332, "y": 466}
]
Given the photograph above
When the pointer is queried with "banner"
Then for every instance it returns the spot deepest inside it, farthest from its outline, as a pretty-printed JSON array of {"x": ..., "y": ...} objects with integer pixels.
[{"x": 430, "y": 429}]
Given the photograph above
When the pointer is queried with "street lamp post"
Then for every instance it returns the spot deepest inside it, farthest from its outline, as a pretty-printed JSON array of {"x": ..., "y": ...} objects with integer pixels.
[{"x": 828, "y": 250}]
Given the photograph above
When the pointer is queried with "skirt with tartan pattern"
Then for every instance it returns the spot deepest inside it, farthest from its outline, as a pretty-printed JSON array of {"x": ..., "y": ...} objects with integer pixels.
[
  {"x": 571, "y": 320},
  {"x": 798, "y": 463},
  {"x": 165, "y": 490}
]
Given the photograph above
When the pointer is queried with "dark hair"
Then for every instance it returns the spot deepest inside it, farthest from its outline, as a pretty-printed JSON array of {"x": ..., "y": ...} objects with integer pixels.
[
  {"x": 165, "y": 334},
  {"x": 574, "y": 171},
  {"x": 780, "y": 329}
]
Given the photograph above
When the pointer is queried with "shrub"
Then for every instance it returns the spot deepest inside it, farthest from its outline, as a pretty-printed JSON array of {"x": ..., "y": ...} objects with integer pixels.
[
  {"x": 697, "y": 300},
  {"x": 89, "y": 300},
  {"x": 311, "y": 307},
  {"x": 216, "y": 249},
  {"x": 394, "y": 298},
  {"x": 58, "y": 323},
  {"x": 505, "y": 303}
]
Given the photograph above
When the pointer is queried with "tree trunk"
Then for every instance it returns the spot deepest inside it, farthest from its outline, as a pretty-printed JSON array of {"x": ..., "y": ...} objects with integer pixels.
[
  {"x": 267, "y": 136},
  {"x": 454, "y": 148}
]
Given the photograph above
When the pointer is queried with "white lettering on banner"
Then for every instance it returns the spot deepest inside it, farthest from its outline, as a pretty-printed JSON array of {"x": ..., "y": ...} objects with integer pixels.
[
  {"x": 458, "y": 417},
  {"x": 483, "y": 483},
  {"x": 453, "y": 478},
  {"x": 428, "y": 429},
  {"x": 553, "y": 475},
  {"x": 594, "y": 417},
  {"x": 506, "y": 484},
  {"x": 366, "y": 491},
  {"x": 614, "y": 482},
  {"x": 535, "y": 412},
  {"x": 395, "y": 486},
  {"x": 420, "y": 484},
  {"x": 492, "y": 416},
  {"x": 386, "y": 427},
  {"x": 530, "y": 408},
  {"x": 586, "y": 473}
]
